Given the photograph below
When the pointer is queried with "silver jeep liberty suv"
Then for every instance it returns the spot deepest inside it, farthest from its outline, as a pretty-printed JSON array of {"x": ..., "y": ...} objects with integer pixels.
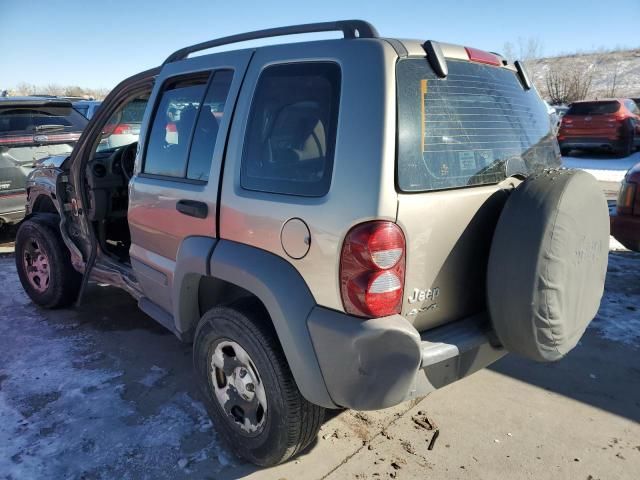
[{"x": 346, "y": 223}]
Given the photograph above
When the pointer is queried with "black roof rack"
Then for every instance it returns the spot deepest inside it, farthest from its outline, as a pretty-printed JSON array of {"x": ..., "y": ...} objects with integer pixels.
[{"x": 350, "y": 29}]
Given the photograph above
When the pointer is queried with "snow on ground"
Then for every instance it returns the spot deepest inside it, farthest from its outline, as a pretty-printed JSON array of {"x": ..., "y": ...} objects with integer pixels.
[
  {"x": 618, "y": 319},
  {"x": 150, "y": 379},
  {"x": 63, "y": 417},
  {"x": 608, "y": 169},
  {"x": 70, "y": 406},
  {"x": 602, "y": 166}
]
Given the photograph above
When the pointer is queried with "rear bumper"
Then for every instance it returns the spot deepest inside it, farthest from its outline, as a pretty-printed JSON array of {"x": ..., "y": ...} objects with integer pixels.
[
  {"x": 378, "y": 363},
  {"x": 589, "y": 142},
  {"x": 626, "y": 229}
]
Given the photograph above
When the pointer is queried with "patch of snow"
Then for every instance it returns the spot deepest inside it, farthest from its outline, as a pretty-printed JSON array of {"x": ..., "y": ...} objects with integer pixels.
[
  {"x": 153, "y": 376},
  {"x": 60, "y": 418},
  {"x": 608, "y": 170},
  {"x": 601, "y": 163},
  {"x": 615, "y": 245},
  {"x": 618, "y": 318}
]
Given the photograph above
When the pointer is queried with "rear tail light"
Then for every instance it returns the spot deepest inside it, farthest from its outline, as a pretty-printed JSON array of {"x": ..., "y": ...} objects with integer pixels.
[
  {"x": 372, "y": 266},
  {"x": 616, "y": 118},
  {"x": 117, "y": 129},
  {"x": 480, "y": 56},
  {"x": 122, "y": 129},
  {"x": 626, "y": 196}
]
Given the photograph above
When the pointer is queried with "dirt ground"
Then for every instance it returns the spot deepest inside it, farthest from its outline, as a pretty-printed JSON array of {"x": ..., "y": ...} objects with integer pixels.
[{"x": 104, "y": 392}]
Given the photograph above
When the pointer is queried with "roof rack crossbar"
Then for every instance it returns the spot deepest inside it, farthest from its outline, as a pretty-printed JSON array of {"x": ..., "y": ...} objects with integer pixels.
[{"x": 350, "y": 29}]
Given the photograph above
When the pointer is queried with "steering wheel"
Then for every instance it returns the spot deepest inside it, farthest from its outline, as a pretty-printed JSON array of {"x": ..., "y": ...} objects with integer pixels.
[{"x": 128, "y": 160}]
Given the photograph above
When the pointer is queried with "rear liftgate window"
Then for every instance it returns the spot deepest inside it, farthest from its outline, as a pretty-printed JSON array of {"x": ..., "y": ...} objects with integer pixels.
[{"x": 477, "y": 126}]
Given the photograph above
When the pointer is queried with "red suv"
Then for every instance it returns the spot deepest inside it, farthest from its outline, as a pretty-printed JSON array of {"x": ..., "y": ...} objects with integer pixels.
[{"x": 612, "y": 124}]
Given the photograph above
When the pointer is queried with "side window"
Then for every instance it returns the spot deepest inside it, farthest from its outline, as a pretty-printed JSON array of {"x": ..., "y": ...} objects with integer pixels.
[
  {"x": 631, "y": 105},
  {"x": 209, "y": 119},
  {"x": 291, "y": 134},
  {"x": 175, "y": 116}
]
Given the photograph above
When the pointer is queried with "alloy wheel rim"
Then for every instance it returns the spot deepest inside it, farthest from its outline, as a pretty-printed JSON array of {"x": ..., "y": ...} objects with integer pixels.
[
  {"x": 36, "y": 266},
  {"x": 238, "y": 387}
]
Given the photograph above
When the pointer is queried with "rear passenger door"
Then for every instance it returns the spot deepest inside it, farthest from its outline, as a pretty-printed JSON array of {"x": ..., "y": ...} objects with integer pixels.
[{"x": 174, "y": 192}]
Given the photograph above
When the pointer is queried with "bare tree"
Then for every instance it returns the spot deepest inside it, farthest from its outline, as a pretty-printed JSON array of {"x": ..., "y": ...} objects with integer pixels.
[
  {"x": 24, "y": 89},
  {"x": 569, "y": 83},
  {"x": 74, "y": 91},
  {"x": 52, "y": 89},
  {"x": 613, "y": 81},
  {"x": 528, "y": 51}
]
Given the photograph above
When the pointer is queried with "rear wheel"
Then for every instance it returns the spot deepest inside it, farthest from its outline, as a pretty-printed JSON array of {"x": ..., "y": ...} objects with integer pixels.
[
  {"x": 249, "y": 388},
  {"x": 44, "y": 264}
]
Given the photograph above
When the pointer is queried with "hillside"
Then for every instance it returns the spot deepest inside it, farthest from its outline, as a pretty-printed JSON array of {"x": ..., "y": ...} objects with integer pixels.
[{"x": 602, "y": 66}]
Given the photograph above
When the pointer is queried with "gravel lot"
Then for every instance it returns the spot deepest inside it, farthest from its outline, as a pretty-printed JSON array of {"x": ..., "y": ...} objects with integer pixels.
[{"x": 104, "y": 392}]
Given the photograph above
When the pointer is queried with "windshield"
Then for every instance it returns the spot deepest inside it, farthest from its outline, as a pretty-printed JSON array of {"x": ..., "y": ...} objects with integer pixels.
[
  {"x": 16, "y": 120},
  {"x": 593, "y": 108},
  {"x": 477, "y": 126}
]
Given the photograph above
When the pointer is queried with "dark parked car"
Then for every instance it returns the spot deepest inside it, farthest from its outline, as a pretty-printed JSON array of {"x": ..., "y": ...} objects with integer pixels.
[
  {"x": 87, "y": 108},
  {"x": 31, "y": 129},
  {"x": 612, "y": 125},
  {"x": 625, "y": 224}
]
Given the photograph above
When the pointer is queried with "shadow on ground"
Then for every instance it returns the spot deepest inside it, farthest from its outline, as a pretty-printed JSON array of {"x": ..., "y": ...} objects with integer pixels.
[{"x": 606, "y": 357}]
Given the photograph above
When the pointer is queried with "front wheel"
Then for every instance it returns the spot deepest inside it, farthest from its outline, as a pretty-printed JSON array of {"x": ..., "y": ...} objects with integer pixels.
[
  {"x": 250, "y": 391},
  {"x": 44, "y": 264}
]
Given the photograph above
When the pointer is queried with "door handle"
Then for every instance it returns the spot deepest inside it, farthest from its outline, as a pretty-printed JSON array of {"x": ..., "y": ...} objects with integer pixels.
[{"x": 193, "y": 208}]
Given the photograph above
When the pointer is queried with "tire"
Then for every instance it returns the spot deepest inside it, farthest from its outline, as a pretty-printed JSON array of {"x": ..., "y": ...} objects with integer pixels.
[
  {"x": 565, "y": 152},
  {"x": 289, "y": 423},
  {"x": 50, "y": 280},
  {"x": 548, "y": 263},
  {"x": 628, "y": 146}
]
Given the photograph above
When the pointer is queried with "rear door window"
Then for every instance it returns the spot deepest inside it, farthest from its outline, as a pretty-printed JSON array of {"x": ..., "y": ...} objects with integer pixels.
[
  {"x": 593, "y": 108},
  {"x": 291, "y": 133},
  {"x": 477, "y": 126}
]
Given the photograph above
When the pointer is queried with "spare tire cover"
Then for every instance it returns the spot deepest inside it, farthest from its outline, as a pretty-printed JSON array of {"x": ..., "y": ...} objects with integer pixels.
[{"x": 548, "y": 263}]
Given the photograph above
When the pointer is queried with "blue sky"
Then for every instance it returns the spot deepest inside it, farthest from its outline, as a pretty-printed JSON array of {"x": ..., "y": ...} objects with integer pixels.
[{"x": 98, "y": 43}]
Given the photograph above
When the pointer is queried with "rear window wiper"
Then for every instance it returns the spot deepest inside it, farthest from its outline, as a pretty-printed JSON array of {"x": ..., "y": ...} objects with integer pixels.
[{"x": 41, "y": 128}]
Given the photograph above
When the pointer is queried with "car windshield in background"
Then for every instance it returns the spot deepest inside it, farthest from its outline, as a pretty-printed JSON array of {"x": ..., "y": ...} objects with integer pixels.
[
  {"x": 593, "y": 108},
  {"x": 18, "y": 119},
  {"x": 477, "y": 126}
]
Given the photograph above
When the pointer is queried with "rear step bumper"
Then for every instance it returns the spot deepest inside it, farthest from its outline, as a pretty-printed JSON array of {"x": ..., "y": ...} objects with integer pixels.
[{"x": 378, "y": 363}]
